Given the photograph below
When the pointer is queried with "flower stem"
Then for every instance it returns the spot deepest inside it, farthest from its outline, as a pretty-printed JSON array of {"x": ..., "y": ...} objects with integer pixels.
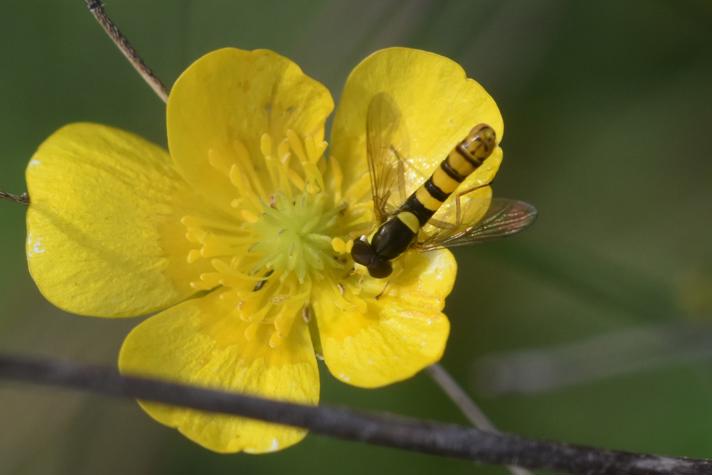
[
  {"x": 387, "y": 430},
  {"x": 96, "y": 7},
  {"x": 467, "y": 405},
  {"x": 23, "y": 198}
]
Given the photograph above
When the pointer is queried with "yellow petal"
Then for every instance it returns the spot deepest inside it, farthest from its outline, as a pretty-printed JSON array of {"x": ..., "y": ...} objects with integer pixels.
[
  {"x": 203, "y": 342},
  {"x": 399, "y": 333},
  {"x": 222, "y": 105},
  {"x": 438, "y": 104},
  {"x": 103, "y": 230}
]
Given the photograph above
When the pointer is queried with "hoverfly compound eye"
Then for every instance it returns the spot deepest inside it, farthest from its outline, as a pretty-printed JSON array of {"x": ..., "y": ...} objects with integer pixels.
[
  {"x": 481, "y": 141},
  {"x": 362, "y": 252}
]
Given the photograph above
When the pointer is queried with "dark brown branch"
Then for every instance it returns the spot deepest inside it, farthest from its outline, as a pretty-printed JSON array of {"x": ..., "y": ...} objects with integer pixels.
[
  {"x": 96, "y": 7},
  {"x": 379, "y": 429},
  {"x": 23, "y": 198}
]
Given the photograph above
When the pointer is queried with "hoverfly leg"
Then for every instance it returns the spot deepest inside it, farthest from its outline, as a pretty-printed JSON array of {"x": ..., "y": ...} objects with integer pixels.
[
  {"x": 405, "y": 163},
  {"x": 439, "y": 223},
  {"x": 448, "y": 225},
  {"x": 458, "y": 202},
  {"x": 458, "y": 209},
  {"x": 383, "y": 290}
]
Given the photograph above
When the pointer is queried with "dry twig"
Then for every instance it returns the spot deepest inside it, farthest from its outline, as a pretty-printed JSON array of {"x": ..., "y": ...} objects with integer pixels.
[
  {"x": 379, "y": 429},
  {"x": 96, "y": 7}
]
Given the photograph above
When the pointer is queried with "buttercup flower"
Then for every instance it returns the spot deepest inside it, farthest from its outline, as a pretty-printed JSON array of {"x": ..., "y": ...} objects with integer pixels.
[{"x": 237, "y": 237}]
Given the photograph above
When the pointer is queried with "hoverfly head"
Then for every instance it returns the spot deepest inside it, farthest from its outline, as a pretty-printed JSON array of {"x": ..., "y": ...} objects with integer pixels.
[
  {"x": 380, "y": 268},
  {"x": 363, "y": 253}
]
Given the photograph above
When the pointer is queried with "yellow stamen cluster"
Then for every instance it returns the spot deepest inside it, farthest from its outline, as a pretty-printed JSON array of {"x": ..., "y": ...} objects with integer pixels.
[{"x": 272, "y": 251}]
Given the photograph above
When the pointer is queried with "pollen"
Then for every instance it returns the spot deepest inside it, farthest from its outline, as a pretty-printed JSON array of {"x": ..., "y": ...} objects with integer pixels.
[
  {"x": 340, "y": 246},
  {"x": 277, "y": 241}
]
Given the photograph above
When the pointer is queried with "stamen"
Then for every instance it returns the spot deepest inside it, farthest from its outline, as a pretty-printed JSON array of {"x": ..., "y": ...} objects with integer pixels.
[
  {"x": 208, "y": 280},
  {"x": 247, "y": 167},
  {"x": 238, "y": 179},
  {"x": 193, "y": 256},
  {"x": 336, "y": 178},
  {"x": 204, "y": 222},
  {"x": 284, "y": 236},
  {"x": 339, "y": 245},
  {"x": 266, "y": 145},
  {"x": 295, "y": 143},
  {"x": 251, "y": 330},
  {"x": 219, "y": 161},
  {"x": 249, "y": 216}
]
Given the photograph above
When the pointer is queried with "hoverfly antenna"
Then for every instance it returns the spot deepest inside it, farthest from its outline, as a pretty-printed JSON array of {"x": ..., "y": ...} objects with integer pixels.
[{"x": 480, "y": 142}]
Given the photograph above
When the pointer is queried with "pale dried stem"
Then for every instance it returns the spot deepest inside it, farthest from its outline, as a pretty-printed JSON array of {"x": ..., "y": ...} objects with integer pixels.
[
  {"x": 96, "y": 7},
  {"x": 23, "y": 198},
  {"x": 466, "y": 405}
]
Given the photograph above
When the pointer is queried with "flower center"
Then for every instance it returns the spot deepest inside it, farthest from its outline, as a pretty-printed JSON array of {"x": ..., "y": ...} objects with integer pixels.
[
  {"x": 270, "y": 247},
  {"x": 294, "y": 236}
]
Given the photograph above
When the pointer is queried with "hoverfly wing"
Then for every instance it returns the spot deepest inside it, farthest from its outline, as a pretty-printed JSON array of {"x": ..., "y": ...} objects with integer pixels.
[
  {"x": 503, "y": 218},
  {"x": 387, "y": 142}
]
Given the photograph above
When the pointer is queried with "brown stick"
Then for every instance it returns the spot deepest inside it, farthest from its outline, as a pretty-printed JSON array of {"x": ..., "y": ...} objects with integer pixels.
[
  {"x": 23, "y": 198},
  {"x": 96, "y": 7},
  {"x": 379, "y": 429}
]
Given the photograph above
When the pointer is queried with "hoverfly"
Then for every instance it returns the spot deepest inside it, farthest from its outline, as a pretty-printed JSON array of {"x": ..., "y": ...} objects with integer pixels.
[{"x": 402, "y": 226}]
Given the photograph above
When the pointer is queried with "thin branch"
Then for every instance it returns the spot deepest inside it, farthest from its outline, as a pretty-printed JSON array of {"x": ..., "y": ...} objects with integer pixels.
[
  {"x": 96, "y": 7},
  {"x": 23, "y": 198},
  {"x": 467, "y": 405},
  {"x": 380, "y": 429},
  {"x": 631, "y": 350},
  {"x": 460, "y": 398}
]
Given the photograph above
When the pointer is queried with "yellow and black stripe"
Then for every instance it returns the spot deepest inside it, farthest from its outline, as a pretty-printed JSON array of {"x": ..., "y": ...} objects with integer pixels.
[
  {"x": 395, "y": 235},
  {"x": 442, "y": 183}
]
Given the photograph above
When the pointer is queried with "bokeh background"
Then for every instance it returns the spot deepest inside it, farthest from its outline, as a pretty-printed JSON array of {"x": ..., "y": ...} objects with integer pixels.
[{"x": 593, "y": 327}]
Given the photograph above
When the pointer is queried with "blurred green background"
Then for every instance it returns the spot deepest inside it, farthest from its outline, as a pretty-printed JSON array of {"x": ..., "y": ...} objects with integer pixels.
[{"x": 593, "y": 327}]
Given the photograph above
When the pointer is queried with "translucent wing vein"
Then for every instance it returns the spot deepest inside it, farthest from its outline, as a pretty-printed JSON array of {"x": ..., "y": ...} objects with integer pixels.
[
  {"x": 386, "y": 139},
  {"x": 503, "y": 218}
]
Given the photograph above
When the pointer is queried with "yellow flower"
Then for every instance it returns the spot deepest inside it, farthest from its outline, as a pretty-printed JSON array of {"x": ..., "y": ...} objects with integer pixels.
[{"x": 233, "y": 237}]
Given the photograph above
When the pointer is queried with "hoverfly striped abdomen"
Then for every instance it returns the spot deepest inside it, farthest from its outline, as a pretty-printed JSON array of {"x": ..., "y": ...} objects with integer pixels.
[
  {"x": 462, "y": 161},
  {"x": 399, "y": 231}
]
